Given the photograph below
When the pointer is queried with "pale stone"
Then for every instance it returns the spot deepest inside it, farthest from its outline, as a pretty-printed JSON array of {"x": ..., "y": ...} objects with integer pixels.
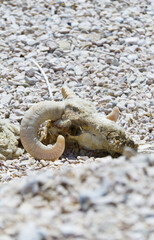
[
  {"x": 5, "y": 98},
  {"x": 64, "y": 44},
  {"x": 78, "y": 70},
  {"x": 132, "y": 40},
  {"x": 87, "y": 81},
  {"x": 85, "y": 26}
]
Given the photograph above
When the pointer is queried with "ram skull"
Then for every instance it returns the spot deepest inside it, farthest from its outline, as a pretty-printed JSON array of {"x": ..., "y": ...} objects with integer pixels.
[{"x": 73, "y": 120}]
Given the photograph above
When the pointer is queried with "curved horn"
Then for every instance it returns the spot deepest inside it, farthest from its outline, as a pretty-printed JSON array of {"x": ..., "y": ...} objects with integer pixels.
[
  {"x": 114, "y": 115},
  {"x": 30, "y": 124}
]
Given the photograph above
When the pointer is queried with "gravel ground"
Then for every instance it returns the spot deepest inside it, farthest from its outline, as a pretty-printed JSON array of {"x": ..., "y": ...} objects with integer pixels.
[
  {"x": 102, "y": 199},
  {"x": 104, "y": 51}
]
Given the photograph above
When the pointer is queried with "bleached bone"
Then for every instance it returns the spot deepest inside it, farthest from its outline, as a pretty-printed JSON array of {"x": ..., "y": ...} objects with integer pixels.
[
  {"x": 77, "y": 121},
  {"x": 9, "y": 136}
]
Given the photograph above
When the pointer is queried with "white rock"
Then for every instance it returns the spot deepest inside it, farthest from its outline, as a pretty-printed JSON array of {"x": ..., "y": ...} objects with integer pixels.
[
  {"x": 115, "y": 62},
  {"x": 101, "y": 42},
  {"x": 30, "y": 232},
  {"x": 64, "y": 30},
  {"x": 30, "y": 72},
  {"x": 43, "y": 48},
  {"x": 30, "y": 81},
  {"x": 52, "y": 45},
  {"x": 64, "y": 44},
  {"x": 5, "y": 98},
  {"x": 132, "y": 57},
  {"x": 85, "y": 26},
  {"x": 87, "y": 81},
  {"x": 118, "y": 93},
  {"x": 71, "y": 230},
  {"x": 31, "y": 42},
  {"x": 132, "y": 40},
  {"x": 78, "y": 70},
  {"x": 150, "y": 76},
  {"x": 82, "y": 37}
]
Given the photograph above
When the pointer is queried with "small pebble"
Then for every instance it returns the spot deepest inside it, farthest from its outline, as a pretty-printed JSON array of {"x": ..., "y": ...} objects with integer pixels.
[
  {"x": 30, "y": 80},
  {"x": 30, "y": 73},
  {"x": 132, "y": 41},
  {"x": 64, "y": 45},
  {"x": 85, "y": 26}
]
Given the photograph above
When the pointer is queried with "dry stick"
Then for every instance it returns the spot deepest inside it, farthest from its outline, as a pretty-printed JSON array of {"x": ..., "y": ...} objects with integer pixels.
[
  {"x": 7, "y": 167},
  {"x": 46, "y": 79}
]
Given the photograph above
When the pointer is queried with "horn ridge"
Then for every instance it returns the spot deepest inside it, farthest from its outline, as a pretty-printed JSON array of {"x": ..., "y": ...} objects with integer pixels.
[{"x": 33, "y": 118}]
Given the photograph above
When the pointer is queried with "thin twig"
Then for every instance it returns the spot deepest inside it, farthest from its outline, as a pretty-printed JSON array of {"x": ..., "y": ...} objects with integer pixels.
[
  {"x": 12, "y": 167},
  {"x": 45, "y": 77}
]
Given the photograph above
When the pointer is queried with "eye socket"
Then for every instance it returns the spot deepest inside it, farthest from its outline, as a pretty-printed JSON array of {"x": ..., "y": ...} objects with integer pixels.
[
  {"x": 74, "y": 109},
  {"x": 75, "y": 130},
  {"x": 117, "y": 137}
]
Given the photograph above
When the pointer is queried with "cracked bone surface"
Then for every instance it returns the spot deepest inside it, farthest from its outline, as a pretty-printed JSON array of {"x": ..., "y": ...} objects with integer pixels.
[
  {"x": 78, "y": 121},
  {"x": 30, "y": 124}
]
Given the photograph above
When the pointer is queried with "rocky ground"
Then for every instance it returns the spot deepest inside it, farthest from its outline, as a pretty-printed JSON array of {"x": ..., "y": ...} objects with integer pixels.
[
  {"x": 102, "y": 199},
  {"x": 104, "y": 51}
]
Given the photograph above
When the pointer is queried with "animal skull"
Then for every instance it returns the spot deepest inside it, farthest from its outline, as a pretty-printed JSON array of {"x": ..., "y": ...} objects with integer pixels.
[{"x": 73, "y": 120}]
